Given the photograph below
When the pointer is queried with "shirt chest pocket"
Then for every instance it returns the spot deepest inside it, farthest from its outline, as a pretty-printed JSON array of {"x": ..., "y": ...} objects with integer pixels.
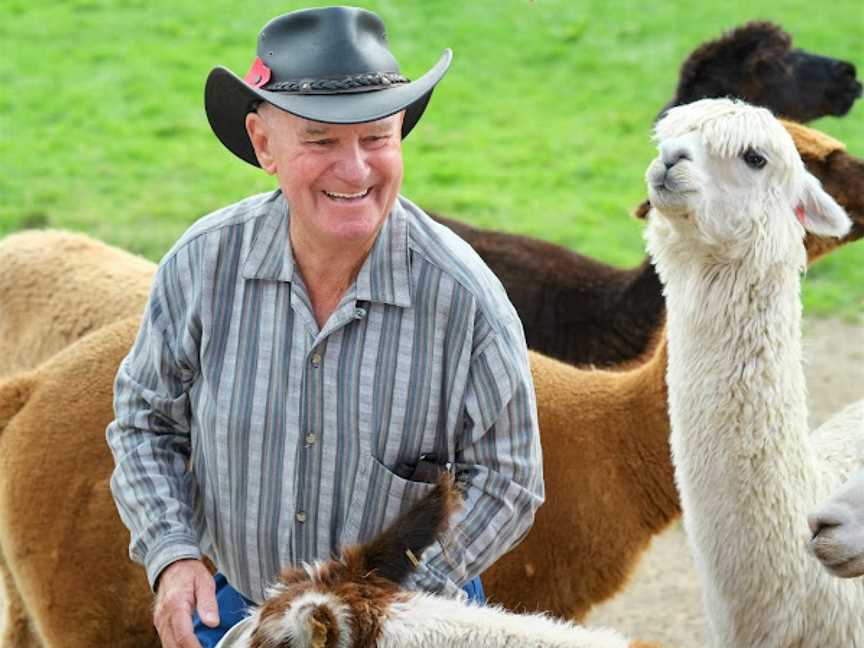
[{"x": 379, "y": 496}]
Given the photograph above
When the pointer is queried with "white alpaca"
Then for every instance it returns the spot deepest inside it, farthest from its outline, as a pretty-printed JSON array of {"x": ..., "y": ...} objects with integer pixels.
[
  {"x": 838, "y": 530},
  {"x": 838, "y": 524},
  {"x": 730, "y": 195},
  {"x": 357, "y": 602}
]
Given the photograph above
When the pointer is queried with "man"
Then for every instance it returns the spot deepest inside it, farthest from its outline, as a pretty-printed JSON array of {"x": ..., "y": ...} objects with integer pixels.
[{"x": 310, "y": 358}]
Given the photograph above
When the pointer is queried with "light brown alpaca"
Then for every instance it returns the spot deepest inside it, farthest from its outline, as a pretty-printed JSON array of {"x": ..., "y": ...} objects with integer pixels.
[
  {"x": 69, "y": 582},
  {"x": 609, "y": 487},
  {"x": 56, "y": 287},
  {"x": 67, "y": 576}
]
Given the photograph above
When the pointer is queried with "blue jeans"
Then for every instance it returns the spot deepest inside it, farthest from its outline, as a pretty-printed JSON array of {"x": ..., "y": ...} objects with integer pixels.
[{"x": 233, "y": 606}]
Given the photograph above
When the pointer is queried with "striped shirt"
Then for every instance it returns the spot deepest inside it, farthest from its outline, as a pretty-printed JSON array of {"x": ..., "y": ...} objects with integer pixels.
[{"x": 245, "y": 433}]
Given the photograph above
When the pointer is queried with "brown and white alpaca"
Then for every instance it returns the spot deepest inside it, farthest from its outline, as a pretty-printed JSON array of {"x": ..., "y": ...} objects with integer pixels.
[{"x": 358, "y": 602}]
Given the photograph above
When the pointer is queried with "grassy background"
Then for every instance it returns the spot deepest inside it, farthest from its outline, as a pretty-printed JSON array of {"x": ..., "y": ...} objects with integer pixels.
[{"x": 542, "y": 125}]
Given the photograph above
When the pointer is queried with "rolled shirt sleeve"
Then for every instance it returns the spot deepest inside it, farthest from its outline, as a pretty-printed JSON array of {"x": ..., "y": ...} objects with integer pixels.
[
  {"x": 152, "y": 484},
  {"x": 498, "y": 462}
]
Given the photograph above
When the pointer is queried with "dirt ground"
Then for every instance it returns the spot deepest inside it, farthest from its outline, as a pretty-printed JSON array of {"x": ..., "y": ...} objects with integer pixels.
[{"x": 663, "y": 600}]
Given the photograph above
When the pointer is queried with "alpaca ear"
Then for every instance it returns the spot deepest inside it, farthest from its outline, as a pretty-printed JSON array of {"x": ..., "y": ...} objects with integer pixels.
[
  {"x": 818, "y": 212},
  {"x": 642, "y": 210},
  {"x": 318, "y": 632}
]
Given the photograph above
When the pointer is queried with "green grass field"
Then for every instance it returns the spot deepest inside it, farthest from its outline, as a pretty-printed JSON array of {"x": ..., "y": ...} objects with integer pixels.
[{"x": 542, "y": 125}]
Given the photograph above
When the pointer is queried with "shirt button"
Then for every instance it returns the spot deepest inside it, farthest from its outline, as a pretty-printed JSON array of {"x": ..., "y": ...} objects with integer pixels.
[
  {"x": 359, "y": 313},
  {"x": 301, "y": 516},
  {"x": 311, "y": 438},
  {"x": 316, "y": 359}
]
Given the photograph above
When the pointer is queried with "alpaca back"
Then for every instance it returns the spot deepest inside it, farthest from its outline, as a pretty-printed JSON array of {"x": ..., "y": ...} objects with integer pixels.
[{"x": 58, "y": 286}]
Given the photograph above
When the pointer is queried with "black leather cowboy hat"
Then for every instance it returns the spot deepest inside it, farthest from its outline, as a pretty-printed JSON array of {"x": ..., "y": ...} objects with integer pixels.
[{"x": 329, "y": 65}]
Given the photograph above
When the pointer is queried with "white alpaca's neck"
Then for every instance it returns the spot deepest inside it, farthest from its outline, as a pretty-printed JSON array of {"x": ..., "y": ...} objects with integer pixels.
[
  {"x": 743, "y": 462},
  {"x": 735, "y": 338}
]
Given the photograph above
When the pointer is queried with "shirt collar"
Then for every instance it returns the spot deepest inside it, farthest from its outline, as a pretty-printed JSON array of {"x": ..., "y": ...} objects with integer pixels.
[
  {"x": 385, "y": 275},
  {"x": 270, "y": 254}
]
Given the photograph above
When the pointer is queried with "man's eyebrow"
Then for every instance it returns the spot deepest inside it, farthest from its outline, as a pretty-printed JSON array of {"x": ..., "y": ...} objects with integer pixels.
[
  {"x": 383, "y": 126},
  {"x": 316, "y": 130}
]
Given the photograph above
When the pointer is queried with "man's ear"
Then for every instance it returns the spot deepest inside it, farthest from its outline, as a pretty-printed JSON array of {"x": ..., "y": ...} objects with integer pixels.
[
  {"x": 818, "y": 212},
  {"x": 259, "y": 135}
]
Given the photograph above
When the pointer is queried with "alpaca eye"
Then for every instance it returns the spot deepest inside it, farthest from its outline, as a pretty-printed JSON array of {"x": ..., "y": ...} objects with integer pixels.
[{"x": 753, "y": 159}]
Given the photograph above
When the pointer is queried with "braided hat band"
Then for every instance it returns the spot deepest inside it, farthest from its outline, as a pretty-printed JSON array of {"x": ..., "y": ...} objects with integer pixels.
[
  {"x": 355, "y": 83},
  {"x": 259, "y": 75}
]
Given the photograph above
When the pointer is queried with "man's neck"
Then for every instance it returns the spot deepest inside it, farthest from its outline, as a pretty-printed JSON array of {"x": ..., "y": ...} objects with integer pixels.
[{"x": 327, "y": 271}]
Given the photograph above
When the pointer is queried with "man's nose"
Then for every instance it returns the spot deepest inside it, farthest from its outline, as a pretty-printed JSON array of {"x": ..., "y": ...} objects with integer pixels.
[{"x": 352, "y": 165}]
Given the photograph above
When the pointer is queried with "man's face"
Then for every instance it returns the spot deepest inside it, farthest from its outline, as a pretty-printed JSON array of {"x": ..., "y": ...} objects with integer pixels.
[{"x": 340, "y": 181}]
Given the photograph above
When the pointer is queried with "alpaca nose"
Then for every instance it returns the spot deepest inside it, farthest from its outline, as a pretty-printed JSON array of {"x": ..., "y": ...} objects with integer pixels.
[
  {"x": 675, "y": 157},
  {"x": 845, "y": 70},
  {"x": 825, "y": 519}
]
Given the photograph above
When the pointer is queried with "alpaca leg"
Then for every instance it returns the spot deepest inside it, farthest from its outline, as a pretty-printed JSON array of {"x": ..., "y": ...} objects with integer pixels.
[{"x": 17, "y": 631}]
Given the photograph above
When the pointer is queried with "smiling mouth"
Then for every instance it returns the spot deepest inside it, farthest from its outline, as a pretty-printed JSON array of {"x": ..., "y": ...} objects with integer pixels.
[{"x": 348, "y": 197}]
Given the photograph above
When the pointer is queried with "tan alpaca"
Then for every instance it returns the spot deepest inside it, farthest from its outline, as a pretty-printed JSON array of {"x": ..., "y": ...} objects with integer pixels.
[
  {"x": 59, "y": 527},
  {"x": 56, "y": 287},
  {"x": 609, "y": 487},
  {"x": 63, "y": 545}
]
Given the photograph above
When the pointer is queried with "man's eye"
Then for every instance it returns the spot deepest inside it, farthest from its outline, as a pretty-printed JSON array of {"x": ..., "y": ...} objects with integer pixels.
[
  {"x": 376, "y": 139},
  {"x": 321, "y": 142}
]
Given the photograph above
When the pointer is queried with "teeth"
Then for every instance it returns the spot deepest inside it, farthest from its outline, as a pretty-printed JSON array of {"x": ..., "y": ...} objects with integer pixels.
[{"x": 359, "y": 194}]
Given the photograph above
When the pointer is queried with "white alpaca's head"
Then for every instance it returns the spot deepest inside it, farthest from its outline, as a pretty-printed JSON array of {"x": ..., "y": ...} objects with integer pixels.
[{"x": 728, "y": 183}]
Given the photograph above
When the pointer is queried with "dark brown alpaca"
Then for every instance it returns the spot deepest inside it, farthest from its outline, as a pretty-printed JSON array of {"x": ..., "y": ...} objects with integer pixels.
[
  {"x": 585, "y": 312},
  {"x": 757, "y": 63}
]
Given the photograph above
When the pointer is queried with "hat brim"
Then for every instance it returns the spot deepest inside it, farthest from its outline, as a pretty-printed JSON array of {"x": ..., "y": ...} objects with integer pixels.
[{"x": 228, "y": 99}]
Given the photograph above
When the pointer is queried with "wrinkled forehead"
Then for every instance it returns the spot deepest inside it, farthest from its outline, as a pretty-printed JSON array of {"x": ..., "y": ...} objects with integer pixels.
[
  {"x": 728, "y": 128},
  {"x": 283, "y": 119}
]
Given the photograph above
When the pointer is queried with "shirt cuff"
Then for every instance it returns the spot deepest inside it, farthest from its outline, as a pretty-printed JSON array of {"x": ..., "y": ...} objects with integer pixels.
[{"x": 170, "y": 549}]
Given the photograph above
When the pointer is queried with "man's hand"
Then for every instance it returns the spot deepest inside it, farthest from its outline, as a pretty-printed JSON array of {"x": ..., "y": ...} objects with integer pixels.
[{"x": 184, "y": 586}]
